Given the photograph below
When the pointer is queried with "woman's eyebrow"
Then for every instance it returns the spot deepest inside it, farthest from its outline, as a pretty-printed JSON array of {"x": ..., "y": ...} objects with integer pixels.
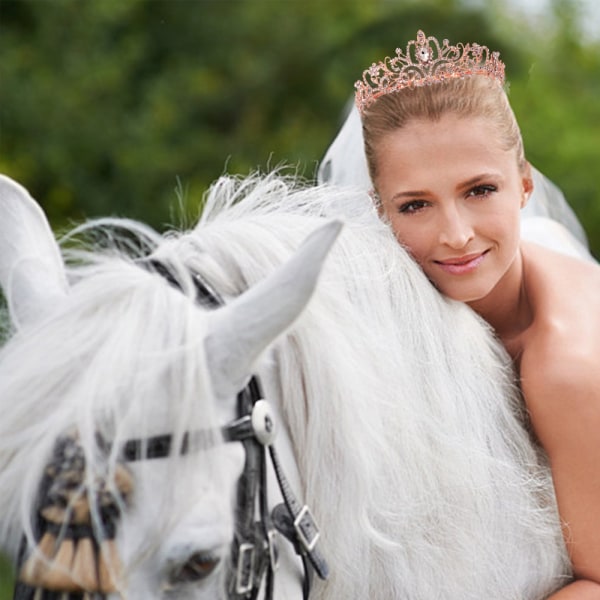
[
  {"x": 478, "y": 179},
  {"x": 409, "y": 194}
]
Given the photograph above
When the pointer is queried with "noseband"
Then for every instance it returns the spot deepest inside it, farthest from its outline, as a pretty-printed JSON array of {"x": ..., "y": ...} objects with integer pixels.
[{"x": 254, "y": 552}]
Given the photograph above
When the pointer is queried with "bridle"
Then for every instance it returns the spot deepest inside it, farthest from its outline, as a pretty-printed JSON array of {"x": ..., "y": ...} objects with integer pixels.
[
  {"x": 254, "y": 557},
  {"x": 254, "y": 552}
]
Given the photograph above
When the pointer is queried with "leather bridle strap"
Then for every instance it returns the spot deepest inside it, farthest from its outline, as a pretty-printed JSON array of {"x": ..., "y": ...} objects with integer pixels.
[
  {"x": 304, "y": 531},
  {"x": 292, "y": 519},
  {"x": 254, "y": 550}
]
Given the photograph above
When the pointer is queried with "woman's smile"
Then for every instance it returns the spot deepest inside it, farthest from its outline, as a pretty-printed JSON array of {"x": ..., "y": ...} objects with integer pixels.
[{"x": 462, "y": 264}]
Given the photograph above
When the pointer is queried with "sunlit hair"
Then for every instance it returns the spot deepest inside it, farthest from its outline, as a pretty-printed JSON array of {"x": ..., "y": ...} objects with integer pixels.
[{"x": 470, "y": 97}]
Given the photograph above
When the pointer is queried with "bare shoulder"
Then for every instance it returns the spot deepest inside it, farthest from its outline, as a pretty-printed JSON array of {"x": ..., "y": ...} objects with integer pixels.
[
  {"x": 561, "y": 388},
  {"x": 564, "y": 293},
  {"x": 560, "y": 367}
]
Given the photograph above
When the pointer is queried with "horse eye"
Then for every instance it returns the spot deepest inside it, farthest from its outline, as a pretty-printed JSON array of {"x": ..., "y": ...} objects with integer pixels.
[{"x": 198, "y": 567}]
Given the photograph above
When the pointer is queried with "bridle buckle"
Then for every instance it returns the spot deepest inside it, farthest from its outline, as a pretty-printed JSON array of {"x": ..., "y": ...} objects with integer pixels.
[
  {"x": 273, "y": 550},
  {"x": 306, "y": 529},
  {"x": 244, "y": 574}
]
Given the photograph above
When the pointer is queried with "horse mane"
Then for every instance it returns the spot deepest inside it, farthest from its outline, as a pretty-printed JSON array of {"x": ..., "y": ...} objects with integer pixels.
[
  {"x": 407, "y": 426},
  {"x": 380, "y": 374}
]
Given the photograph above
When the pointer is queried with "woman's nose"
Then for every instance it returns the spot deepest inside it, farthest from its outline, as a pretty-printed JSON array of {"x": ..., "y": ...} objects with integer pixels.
[{"x": 456, "y": 230}]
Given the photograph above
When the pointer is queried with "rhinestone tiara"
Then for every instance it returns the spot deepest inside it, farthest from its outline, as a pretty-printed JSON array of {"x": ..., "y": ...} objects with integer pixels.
[{"x": 425, "y": 62}]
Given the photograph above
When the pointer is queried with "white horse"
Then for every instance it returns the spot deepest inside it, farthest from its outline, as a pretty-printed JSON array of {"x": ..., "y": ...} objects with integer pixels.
[{"x": 399, "y": 421}]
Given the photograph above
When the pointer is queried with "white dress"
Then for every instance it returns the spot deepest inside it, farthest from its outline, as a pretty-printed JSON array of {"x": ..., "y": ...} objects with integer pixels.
[{"x": 547, "y": 219}]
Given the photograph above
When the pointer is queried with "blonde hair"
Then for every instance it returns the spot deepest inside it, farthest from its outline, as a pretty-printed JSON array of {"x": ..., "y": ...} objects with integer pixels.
[{"x": 469, "y": 97}]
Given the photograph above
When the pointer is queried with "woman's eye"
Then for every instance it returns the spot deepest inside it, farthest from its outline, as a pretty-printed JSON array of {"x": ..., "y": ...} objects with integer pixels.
[
  {"x": 482, "y": 190},
  {"x": 198, "y": 567},
  {"x": 412, "y": 207}
]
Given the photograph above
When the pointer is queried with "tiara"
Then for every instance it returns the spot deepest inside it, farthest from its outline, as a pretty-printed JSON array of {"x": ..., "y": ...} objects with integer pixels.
[{"x": 424, "y": 63}]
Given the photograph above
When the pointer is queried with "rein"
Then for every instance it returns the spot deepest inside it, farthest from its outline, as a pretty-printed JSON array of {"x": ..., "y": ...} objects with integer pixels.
[{"x": 254, "y": 552}]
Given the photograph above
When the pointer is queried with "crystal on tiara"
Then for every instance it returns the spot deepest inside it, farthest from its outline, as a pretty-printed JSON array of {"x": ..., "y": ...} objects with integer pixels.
[{"x": 425, "y": 62}]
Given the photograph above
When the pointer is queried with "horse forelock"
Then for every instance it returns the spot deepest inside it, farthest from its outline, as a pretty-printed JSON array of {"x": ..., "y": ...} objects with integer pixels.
[{"x": 122, "y": 357}]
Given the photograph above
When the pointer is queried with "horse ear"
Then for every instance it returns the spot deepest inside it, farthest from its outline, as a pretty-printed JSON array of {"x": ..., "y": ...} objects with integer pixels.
[
  {"x": 243, "y": 329},
  {"x": 32, "y": 272}
]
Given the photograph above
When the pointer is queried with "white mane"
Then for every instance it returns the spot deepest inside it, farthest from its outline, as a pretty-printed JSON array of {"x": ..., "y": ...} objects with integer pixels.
[
  {"x": 407, "y": 426},
  {"x": 408, "y": 431}
]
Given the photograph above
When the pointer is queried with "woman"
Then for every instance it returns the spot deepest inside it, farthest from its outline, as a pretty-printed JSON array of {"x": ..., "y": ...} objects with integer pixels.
[{"x": 448, "y": 170}]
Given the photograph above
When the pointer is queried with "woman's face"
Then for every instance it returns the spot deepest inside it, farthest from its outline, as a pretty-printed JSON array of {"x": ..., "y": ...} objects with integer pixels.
[{"x": 452, "y": 195}]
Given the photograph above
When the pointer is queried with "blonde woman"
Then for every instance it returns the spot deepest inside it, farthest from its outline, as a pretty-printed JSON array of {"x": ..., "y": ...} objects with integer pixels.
[{"x": 448, "y": 172}]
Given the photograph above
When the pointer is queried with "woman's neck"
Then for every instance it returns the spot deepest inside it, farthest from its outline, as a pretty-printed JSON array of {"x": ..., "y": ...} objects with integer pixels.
[{"x": 507, "y": 308}]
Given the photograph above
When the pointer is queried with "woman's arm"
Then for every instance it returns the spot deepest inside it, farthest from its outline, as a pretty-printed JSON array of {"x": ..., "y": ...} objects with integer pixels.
[
  {"x": 562, "y": 393},
  {"x": 578, "y": 590}
]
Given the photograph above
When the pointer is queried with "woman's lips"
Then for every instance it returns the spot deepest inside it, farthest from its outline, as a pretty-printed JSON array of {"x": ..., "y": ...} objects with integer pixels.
[{"x": 462, "y": 264}]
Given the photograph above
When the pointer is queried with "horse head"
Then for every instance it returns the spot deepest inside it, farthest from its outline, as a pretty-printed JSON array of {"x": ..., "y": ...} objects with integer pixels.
[{"x": 116, "y": 473}]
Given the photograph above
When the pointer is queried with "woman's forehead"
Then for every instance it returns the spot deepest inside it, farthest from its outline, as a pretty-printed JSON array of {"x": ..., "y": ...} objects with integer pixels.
[
  {"x": 424, "y": 157},
  {"x": 423, "y": 146}
]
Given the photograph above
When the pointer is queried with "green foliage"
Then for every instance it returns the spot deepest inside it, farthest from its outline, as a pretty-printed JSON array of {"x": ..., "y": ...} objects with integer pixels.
[
  {"x": 105, "y": 105},
  {"x": 5, "y": 579},
  {"x": 557, "y": 105}
]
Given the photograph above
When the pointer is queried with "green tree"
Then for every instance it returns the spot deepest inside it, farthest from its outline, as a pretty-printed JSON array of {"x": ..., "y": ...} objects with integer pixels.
[{"x": 105, "y": 105}]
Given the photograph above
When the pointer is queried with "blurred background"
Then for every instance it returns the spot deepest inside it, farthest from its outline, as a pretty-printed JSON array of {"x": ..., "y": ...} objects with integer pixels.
[
  {"x": 122, "y": 106},
  {"x": 109, "y": 106}
]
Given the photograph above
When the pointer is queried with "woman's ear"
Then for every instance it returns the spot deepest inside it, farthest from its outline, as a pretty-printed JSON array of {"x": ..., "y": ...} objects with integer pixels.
[{"x": 527, "y": 181}]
